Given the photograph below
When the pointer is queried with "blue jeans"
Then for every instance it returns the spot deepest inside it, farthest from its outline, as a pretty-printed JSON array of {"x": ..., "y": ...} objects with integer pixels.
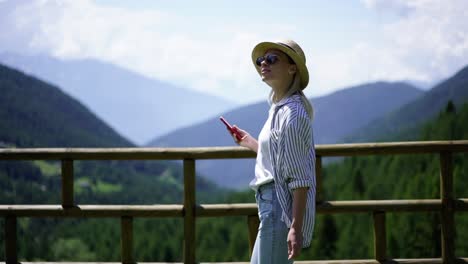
[{"x": 270, "y": 246}]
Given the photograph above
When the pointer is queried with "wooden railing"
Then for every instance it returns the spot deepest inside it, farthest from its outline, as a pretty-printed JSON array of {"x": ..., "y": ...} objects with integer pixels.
[{"x": 447, "y": 205}]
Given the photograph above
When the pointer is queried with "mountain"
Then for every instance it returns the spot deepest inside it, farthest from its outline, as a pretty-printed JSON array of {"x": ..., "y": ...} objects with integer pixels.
[
  {"x": 36, "y": 114},
  {"x": 134, "y": 105},
  {"x": 340, "y": 113},
  {"x": 390, "y": 177},
  {"x": 336, "y": 115},
  {"x": 412, "y": 114}
]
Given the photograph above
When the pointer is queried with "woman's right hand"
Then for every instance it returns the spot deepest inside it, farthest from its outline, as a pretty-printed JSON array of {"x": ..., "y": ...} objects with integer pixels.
[{"x": 246, "y": 141}]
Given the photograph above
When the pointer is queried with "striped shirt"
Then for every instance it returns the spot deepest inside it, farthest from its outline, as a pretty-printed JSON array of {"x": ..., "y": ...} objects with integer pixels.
[{"x": 293, "y": 158}]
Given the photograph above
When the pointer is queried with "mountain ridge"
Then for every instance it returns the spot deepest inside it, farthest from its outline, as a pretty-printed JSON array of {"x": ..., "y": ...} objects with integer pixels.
[
  {"x": 23, "y": 115},
  {"x": 414, "y": 113},
  {"x": 35, "y": 114},
  {"x": 129, "y": 102}
]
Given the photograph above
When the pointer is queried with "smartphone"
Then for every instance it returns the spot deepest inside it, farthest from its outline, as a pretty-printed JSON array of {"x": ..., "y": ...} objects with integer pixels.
[{"x": 231, "y": 128}]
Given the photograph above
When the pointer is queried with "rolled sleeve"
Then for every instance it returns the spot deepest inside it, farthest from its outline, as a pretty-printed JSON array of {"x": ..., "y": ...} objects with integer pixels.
[{"x": 300, "y": 184}]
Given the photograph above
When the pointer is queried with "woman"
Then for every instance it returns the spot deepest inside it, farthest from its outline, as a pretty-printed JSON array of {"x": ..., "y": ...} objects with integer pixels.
[{"x": 285, "y": 166}]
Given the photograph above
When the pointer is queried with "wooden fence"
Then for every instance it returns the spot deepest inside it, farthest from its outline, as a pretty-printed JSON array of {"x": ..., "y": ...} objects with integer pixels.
[{"x": 447, "y": 205}]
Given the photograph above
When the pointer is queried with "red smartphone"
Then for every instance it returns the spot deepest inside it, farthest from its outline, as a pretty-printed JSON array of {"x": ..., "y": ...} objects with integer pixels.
[{"x": 231, "y": 128}]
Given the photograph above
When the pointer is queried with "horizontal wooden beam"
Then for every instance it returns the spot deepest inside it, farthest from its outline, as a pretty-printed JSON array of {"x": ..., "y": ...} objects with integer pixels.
[
  {"x": 92, "y": 210},
  {"x": 329, "y": 207},
  {"x": 225, "y": 152},
  {"x": 409, "y": 147},
  {"x": 461, "y": 204},
  {"x": 126, "y": 153},
  {"x": 215, "y": 210}
]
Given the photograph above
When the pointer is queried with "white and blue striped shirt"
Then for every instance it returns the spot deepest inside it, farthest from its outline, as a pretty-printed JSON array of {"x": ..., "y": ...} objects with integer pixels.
[{"x": 293, "y": 159}]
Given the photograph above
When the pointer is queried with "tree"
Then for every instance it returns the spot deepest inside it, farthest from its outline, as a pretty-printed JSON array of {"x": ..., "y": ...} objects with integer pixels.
[
  {"x": 327, "y": 238},
  {"x": 71, "y": 249}
]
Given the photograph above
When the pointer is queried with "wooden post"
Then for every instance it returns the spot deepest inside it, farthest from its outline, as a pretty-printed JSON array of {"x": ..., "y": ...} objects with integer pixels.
[
  {"x": 126, "y": 239},
  {"x": 448, "y": 208},
  {"x": 318, "y": 179},
  {"x": 189, "y": 211},
  {"x": 67, "y": 183},
  {"x": 380, "y": 236},
  {"x": 253, "y": 222},
  {"x": 10, "y": 240}
]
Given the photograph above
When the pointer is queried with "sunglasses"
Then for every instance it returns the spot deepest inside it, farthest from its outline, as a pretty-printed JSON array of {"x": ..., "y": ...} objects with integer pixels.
[{"x": 270, "y": 59}]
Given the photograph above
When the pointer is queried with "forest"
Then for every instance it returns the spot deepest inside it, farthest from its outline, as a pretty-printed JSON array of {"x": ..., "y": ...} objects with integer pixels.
[{"x": 409, "y": 235}]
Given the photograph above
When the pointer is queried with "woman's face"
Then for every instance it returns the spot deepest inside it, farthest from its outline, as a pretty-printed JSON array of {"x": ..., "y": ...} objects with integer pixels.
[{"x": 277, "y": 69}]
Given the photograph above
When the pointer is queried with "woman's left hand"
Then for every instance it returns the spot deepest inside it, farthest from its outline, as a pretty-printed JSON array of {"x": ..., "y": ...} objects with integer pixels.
[{"x": 294, "y": 243}]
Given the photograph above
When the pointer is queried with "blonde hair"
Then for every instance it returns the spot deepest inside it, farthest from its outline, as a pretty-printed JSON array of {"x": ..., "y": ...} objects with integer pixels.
[{"x": 295, "y": 87}]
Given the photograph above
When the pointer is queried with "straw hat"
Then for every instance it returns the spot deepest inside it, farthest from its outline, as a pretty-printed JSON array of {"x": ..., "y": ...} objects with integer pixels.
[{"x": 292, "y": 49}]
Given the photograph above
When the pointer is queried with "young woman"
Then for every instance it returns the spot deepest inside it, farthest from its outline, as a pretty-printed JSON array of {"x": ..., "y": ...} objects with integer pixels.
[{"x": 285, "y": 166}]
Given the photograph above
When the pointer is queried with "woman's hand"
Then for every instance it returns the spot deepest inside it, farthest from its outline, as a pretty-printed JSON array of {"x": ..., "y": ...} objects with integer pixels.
[
  {"x": 294, "y": 243},
  {"x": 246, "y": 141}
]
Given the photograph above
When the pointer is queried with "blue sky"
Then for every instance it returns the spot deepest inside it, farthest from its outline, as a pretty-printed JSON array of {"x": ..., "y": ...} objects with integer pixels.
[{"x": 206, "y": 45}]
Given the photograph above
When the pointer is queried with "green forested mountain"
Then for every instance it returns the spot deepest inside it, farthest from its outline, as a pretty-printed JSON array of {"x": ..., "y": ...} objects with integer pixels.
[
  {"x": 130, "y": 102},
  {"x": 413, "y": 114},
  {"x": 36, "y": 114},
  {"x": 398, "y": 177}
]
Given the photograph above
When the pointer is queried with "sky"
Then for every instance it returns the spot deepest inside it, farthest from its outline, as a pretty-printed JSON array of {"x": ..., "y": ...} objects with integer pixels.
[{"x": 206, "y": 45}]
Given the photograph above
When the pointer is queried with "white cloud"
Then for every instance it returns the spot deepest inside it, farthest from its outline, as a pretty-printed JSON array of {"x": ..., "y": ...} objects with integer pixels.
[
  {"x": 427, "y": 40},
  {"x": 149, "y": 42},
  {"x": 399, "y": 7},
  {"x": 428, "y": 43}
]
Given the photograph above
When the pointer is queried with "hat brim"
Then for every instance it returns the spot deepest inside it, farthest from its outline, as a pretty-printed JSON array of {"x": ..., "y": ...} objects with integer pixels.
[{"x": 260, "y": 49}]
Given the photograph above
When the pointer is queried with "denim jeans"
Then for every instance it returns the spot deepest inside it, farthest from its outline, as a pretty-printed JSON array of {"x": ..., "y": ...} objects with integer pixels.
[{"x": 270, "y": 246}]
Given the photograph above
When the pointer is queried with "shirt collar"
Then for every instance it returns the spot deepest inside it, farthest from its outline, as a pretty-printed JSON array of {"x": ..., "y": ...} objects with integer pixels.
[{"x": 295, "y": 97}]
